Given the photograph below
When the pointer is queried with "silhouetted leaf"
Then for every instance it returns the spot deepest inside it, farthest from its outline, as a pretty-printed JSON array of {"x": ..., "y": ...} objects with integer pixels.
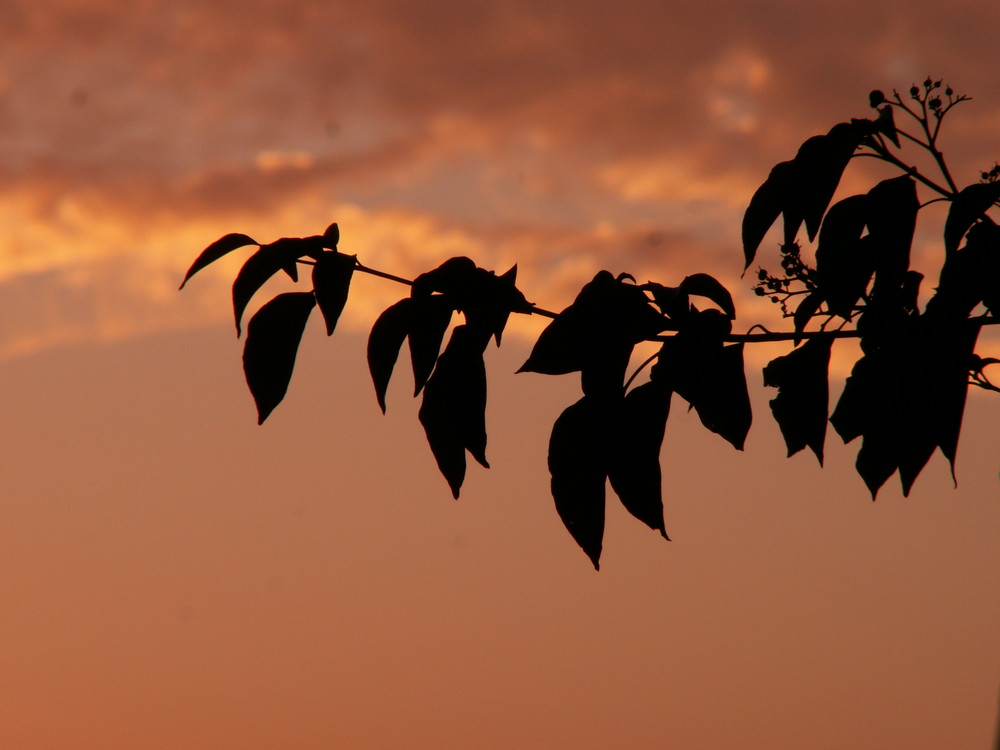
[
  {"x": 801, "y": 406},
  {"x": 280, "y": 255},
  {"x": 331, "y": 237},
  {"x": 672, "y": 301},
  {"x": 453, "y": 412},
  {"x": 804, "y": 312},
  {"x": 703, "y": 285},
  {"x": 845, "y": 262},
  {"x": 596, "y": 334},
  {"x": 634, "y": 453},
  {"x": 819, "y": 165},
  {"x": 710, "y": 377},
  {"x": 578, "y": 466},
  {"x": 387, "y": 335},
  {"x": 966, "y": 208},
  {"x": 429, "y": 319},
  {"x": 331, "y": 277},
  {"x": 886, "y": 125},
  {"x": 453, "y": 277},
  {"x": 216, "y": 250},
  {"x": 272, "y": 342},
  {"x": 892, "y": 217},
  {"x": 766, "y": 205},
  {"x": 856, "y": 404}
]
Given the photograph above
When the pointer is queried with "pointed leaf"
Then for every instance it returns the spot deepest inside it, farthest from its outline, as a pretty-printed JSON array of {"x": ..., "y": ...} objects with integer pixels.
[
  {"x": 453, "y": 411},
  {"x": 703, "y": 285},
  {"x": 711, "y": 378},
  {"x": 272, "y": 342},
  {"x": 819, "y": 165},
  {"x": 886, "y": 125},
  {"x": 331, "y": 279},
  {"x": 331, "y": 237},
  {"x": 429, "y": 319},
  {"x": 634, "y": 456},
  {"x": 892, "y": 217},
  {"x": 801, "y": 406},
  {"x": 216, "y": 250},
  {"x": 844, "y": 259},
  {"x": 806, "y": 309},
  {"x": 578, "y": 465},
  {"x": 384, "y": 342},
  {"x": 280, "y": 255},
  {"x": 771, "y": 198},
  {"x": 966, "y": 208}
]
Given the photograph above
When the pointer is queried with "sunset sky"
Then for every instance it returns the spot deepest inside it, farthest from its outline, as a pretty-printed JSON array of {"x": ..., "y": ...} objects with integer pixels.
[{"x": 175, "y": 576}]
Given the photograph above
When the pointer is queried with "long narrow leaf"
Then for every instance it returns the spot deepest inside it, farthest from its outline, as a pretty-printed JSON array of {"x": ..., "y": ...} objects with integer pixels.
[
  {"x": 273, "y": 337},
  {"x": 384, "y": 342},
  {"x": 331, "y": 279},
  {"x": 219, "y": 248}
]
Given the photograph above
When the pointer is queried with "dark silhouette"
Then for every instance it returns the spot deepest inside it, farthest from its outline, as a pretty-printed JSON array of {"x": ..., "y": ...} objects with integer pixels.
[{"x": 904, "y": 398}]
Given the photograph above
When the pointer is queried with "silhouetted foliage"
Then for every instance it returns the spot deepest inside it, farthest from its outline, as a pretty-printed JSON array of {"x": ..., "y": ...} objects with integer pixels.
[{"x": 905, "y": 396}]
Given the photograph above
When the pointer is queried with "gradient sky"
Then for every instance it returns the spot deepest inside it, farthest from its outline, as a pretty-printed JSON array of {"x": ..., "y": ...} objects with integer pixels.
[{"x": 176, "y": 577}]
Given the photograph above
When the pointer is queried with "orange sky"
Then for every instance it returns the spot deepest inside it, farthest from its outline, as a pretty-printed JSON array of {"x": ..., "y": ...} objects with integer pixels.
[{"x": 176, "y": 577}]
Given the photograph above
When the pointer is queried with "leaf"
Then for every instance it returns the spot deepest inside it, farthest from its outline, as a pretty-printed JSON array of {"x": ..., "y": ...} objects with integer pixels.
[
  {"x": 766, "y": 205},
  {"x": 711, "y": 378},
  {"x": 387, "y": 335},
  {"x": 331, "y": 237},
  {"x": 892, "y": 217},
  {"x": 216, "y": 250},
  {"x": 331, "y": 278},
  {"x": 596, "y": 334},
  {"x": 634, "y": 465},
  {"x": 804, "y": 312},
  {"x": 967, "y": 207},
  {"x": 703, "y": 285},
  {"x": 280, "y": 255},
  {"x": 272, "y": 342},
  {"x": 844, "y": 259},
  {"x": 452, "y": 278},
  {"x": 578, "y": 466},
  {"x": 886, "y": 125},
  {"x": 819, "y": 165},
  {"x": 453, "y": 411},
  {"x": 801, "y": 406},
  {"x": 429, "y": 319}
]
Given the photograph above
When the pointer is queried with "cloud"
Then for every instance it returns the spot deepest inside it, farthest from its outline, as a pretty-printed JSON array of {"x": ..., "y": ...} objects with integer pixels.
[{"x": 565, "y": 136}]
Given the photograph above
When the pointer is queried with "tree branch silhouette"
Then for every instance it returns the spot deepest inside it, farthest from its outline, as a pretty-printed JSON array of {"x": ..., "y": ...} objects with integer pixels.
[{"x": 850, "y": 278}]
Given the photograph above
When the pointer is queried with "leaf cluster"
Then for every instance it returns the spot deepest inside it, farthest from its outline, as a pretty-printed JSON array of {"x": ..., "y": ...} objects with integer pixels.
[{"x": 850, "y": 277}]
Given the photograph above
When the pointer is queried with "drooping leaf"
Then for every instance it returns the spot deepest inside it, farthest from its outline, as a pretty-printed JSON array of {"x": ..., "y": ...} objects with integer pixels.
[
  {"x": 892, "y": 218},
  {"x": 845, "y": 262},
  {"x": 331, "y": 277},
  {"x": 801, "y": 406},
  {"x": 453, "y": 278},
  {"x": 429, "y": 319},
  {"x": 804, "y": 312},
  {"x": 672, "y": 301},
  {"x": 272, "y": 342},
  {"x": 703, "y": 285},
  {"x": 387, "y": 335},
  {"x": 634, "y": 453},
  {"x": 819, "y": 165},
  {"x": 280, "y": 255},
  {"x": 886, "y": 125},
  {"x": 596, "y": 334},
  {"x": 857, "y": 401},
  {"x": 453, "y": 411},
  {"x": 222, "y": 246},
  {"x": 711, "y": 378},
  {"x": 577, "y": 461},
  {"x": 766, "y": 205},
  {"x": 966, "y": 208}
]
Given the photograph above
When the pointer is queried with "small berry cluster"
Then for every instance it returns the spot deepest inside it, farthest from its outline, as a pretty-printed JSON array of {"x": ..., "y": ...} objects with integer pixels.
[{"x": 798, "y": 279}]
